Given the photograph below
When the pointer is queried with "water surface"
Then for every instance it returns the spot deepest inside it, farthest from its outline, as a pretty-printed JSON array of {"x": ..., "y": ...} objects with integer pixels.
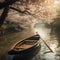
[{"x": 53, "y": 41}]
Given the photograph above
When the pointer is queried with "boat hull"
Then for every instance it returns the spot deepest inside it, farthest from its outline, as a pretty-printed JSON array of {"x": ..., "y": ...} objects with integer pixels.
[{"x": 14, "y": 52}]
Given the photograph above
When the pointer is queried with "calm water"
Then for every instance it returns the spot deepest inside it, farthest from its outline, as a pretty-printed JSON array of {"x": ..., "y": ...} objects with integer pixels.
[{"x": 43, "y": 53}]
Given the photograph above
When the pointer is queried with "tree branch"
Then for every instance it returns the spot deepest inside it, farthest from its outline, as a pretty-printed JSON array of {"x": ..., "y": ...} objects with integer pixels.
[
  {"x": 7, "y": 3},
  {"x": 23, "y": 12},
  {"x": 4, "y": 15}
]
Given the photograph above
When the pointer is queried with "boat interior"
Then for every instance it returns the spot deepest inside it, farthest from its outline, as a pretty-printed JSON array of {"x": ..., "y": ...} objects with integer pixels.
[{"x": 25, "y": 44}]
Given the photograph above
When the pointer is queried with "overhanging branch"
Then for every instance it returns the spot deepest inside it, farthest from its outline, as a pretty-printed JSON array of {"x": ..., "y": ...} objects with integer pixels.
[{"x": 23, "y": 12}]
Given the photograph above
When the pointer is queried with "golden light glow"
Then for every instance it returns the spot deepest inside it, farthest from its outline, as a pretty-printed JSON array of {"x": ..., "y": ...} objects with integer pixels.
[
  {"x": 53, "y": 46},
  {"x": 41, "y": 33}
]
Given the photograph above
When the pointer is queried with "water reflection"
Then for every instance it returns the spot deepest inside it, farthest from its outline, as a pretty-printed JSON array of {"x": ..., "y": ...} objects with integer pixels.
[{"x": 53, "y": 40}]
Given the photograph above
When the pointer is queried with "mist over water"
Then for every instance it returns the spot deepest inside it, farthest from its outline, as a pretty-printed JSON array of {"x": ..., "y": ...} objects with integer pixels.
[
  {"x": 51, "y": 40},
  {"x": 43, "y": 53}
]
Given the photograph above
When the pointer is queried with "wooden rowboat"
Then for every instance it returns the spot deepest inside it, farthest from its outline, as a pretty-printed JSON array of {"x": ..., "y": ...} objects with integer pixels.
[{"x": 25, "y": 45}]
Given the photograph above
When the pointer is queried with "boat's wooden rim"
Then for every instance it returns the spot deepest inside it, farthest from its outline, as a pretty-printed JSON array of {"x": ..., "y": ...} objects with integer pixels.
[
  {"x": 19, "y": 42},
  {"x": 29, "y": 44},
  {"x": 30, "y": 40}
]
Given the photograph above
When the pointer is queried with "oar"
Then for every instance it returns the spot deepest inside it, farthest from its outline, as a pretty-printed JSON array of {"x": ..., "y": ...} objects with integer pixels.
[{"x": 47, "y": 45}]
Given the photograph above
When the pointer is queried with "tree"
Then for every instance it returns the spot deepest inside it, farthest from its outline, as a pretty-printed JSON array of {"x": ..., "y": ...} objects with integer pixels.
[{"x": 32, "y": 9}]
